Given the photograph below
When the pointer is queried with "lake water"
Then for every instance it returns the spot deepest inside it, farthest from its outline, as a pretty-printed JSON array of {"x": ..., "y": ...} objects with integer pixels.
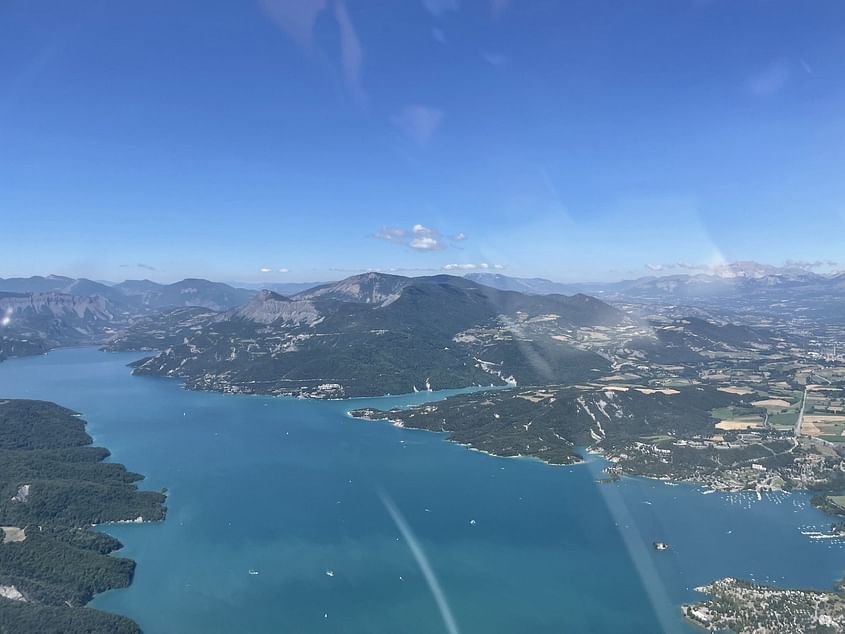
[{"x": 294, "y": 489}]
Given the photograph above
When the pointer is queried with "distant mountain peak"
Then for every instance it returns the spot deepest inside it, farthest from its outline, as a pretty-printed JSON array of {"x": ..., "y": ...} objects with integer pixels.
[
  {"x": 187, "y": 292},
  {"x": 366, "y": 288},
  {"x": 268, "y": 295}
]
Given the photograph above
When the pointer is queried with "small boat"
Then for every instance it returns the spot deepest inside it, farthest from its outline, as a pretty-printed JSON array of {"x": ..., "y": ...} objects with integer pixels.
[
  {"x": 253, "y": 571},
  {"x": 330, "y": 573},
  {"x": 661, "y": 546}
]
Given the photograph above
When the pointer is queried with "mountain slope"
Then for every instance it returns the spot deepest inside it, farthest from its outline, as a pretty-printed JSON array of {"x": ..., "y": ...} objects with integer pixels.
[
  {"x": 367, "y": 288},
  {"x": 401, "y": 334},
  {"x": 376, "y": 334}
]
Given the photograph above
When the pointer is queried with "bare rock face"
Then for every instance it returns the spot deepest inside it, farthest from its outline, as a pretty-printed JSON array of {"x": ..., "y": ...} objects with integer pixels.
[
  {"x": 11, "y": 592},
  {"x": 56, "y": 305},
  {"x": 271, "y": 308},
  {"x": 33, "y": 323},
  {"x": 23, "y": 493}
]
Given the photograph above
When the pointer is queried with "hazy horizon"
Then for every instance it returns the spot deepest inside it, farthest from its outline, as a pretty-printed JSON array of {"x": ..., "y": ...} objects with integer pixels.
[{"x": 822, "y": 268}]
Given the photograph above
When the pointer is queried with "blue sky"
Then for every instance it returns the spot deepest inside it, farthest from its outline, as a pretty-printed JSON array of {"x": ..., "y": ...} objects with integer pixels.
[{"x": 577, "y": 140}]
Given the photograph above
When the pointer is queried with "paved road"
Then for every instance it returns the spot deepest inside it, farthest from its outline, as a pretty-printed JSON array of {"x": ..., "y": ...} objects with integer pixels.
[{"x": 800, "y": 420}]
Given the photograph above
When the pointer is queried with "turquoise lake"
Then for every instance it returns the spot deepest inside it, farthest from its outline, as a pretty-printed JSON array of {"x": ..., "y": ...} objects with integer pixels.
[{"x": 295, "y": 489}]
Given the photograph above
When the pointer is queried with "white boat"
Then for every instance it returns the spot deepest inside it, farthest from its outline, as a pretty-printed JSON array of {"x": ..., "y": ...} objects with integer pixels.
[
  {"x": 253, "y": 571},
  {"x": 330, "y": 573}
]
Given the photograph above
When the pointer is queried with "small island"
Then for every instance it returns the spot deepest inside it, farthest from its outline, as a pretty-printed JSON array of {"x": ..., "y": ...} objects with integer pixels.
[{"x": 54, "y": 486}]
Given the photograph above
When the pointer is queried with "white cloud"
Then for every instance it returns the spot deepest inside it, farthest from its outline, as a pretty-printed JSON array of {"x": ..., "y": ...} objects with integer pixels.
[
  {"x": 419, "y": 237},
  {"x": 425, "y": 239},
  {"x": 264, "y": 269},
  {"x": 769, "y": 81},
  {"x": 425, "y": 243},
  {"x": 458, "y": 237},
  {"x": 284, "y": 270},
  {"x": 419, "y": 123},
  {"x": 439, "y": 7},
  {"x": 392, "y": 269},
  {"x": 469, "y": 266}
]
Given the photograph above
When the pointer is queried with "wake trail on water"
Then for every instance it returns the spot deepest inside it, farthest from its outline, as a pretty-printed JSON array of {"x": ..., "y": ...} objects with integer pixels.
[{"x": 422, "y": 561}]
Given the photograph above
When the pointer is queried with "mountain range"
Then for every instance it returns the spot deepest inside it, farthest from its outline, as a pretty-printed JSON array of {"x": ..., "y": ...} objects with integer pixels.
[
  {"x": 449, "y": 330},
  {"x": 188, "y": 292},
  {"x": 739, "y": 287},
  {"x": 727, "y": 280},
  {"x": 39, "y": 313},
  {"x": 373, "y": 334},
  {"x": 136, "y": 293}
]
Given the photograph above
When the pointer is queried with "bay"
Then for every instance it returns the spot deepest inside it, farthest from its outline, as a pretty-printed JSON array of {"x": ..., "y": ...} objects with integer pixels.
[{"x": 298, "y": 492}]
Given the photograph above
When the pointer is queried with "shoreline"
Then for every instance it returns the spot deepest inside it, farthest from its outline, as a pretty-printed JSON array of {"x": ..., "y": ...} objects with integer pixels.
[
  {"x": 89, "y": 564},
  {"x": 589, "y": 456},
  {"x": 294, "y": 393},
  {"x": 397, "y": 424},
  {"x": 599, "y": 454},
  {"x": 598, "y": 451}
]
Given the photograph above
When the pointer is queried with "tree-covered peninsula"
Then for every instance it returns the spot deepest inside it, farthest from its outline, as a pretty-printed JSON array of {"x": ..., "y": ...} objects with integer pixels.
[{"x": 53, "y": 487}]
